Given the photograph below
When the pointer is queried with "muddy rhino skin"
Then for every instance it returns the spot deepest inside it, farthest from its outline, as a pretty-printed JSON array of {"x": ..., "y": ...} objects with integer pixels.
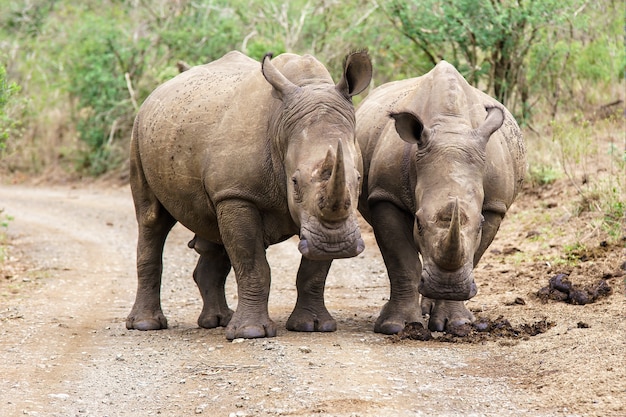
[
  {"x": 246, "y": 155},
  {"x": 442, "y": 164}
]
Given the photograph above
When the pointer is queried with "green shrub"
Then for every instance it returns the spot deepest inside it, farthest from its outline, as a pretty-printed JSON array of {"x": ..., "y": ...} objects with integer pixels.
[
  {"x": 7, "y": 123},
  {"x": 104, "y": 109},
  {"x": 542, "y": 174}
]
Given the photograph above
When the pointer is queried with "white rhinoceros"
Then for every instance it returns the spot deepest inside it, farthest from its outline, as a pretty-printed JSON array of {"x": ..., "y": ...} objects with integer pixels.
[
  {"x": 442, "y": 164},
  {"x": 247, "y": 155}
]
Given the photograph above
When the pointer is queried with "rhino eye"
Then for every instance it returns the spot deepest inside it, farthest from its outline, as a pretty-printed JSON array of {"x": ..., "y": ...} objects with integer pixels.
[
  {"x": 420, "y": 228},
  {"x": 297, "y": 192}
]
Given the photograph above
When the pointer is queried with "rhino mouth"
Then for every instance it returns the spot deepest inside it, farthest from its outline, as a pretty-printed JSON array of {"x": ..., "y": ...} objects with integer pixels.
[
  {"x": 320, "y": 241},
  {"x": 456, "y": 285}
]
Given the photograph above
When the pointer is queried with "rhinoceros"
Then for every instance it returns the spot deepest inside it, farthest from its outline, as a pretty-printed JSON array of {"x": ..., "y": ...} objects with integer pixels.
[
  {"x": 443, "y": 162},
  {"x": 245, "y": 155}
]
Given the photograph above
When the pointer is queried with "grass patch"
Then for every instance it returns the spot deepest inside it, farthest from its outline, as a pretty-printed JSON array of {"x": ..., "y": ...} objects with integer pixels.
[
  {"x": 591, "y": 159},
  {"x": 5, "y": 219}
]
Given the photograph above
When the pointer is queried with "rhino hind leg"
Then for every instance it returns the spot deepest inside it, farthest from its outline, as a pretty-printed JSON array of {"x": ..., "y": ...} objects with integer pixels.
[
  {"x": 210, "y": 276},
  {"x": 393, "y": 230},
  {"x": 446, "y": 314},
  {"x": 154, "y": 224},
  {"x": 310, "y": 313}
]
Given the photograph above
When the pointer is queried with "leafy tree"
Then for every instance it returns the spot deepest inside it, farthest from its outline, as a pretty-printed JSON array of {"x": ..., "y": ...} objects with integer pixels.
[
  {"x": 83, "y": 68},
  {"x": 488, "y": 40},
  {"x": 571, "y": 63}
]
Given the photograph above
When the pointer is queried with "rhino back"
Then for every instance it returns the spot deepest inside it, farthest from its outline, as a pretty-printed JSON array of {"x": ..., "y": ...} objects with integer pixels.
[{"x": 202, "y": 136}]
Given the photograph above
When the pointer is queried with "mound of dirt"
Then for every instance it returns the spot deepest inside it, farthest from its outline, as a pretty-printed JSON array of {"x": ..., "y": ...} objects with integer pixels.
[
  {"x": 560, "y": 288},
  {"x": 483, "y": 329}
]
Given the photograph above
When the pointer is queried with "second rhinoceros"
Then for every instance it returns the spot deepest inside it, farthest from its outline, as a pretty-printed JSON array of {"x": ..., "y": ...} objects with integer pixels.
[
  {"x": 247, "y": 155},
  {"x": 443, "y": 162}
]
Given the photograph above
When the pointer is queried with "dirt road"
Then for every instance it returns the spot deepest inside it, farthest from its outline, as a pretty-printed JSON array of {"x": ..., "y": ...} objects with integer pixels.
[{"x": 66, "y": 352}]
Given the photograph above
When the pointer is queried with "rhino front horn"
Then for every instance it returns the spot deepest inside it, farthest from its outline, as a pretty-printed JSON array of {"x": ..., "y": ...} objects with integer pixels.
[
  {"x": 336, "y": 199},
  {"x": 452, "y": 248}
]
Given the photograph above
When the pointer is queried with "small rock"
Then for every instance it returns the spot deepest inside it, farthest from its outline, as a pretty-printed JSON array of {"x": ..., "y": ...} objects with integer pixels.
[{"x": 304, "y": 349}]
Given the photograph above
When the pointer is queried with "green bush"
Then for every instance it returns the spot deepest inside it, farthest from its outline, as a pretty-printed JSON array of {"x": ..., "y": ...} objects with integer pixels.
[
  {"x": 100, "y": 54},
  {"x": 97, "y": 61},
  {"x": 8, "y": 124}
]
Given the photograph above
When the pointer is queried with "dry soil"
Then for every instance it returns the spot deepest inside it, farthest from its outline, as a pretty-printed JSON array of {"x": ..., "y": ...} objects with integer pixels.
[{"x": 68, "y": 282}]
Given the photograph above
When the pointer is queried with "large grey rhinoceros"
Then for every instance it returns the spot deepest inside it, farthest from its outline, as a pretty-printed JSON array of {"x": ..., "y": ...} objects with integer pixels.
[
  {"x": 246, "y": 155},
  {"x": 442, "y": 164}
]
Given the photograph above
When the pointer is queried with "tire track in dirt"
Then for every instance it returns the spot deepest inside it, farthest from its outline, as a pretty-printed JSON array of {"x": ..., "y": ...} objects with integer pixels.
[{"x": 78, "y": 258}]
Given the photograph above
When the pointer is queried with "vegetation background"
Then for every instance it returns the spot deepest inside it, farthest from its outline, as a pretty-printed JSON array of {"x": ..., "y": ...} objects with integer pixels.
[{"x": 73, "y": 73}]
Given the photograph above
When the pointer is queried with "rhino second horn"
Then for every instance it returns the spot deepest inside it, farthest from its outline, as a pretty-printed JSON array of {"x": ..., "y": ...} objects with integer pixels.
[
  {"x": 336, "y": 201},
  {"x": 452, "y": 254}
]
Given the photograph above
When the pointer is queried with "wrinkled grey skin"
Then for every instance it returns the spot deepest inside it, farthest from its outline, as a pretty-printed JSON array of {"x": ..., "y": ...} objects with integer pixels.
[
  {"x": 442, "y": 164},
  {"x": 245, "y": 156}
]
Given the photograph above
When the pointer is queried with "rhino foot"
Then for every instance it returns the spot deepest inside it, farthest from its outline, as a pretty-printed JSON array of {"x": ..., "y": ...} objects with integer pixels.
[
  {"x": 154, "y": 322},
  {"x": 211, "y": 319},
  {"x": 250, "y": 328},
  {"x": 446, "y": 315},
  {"x": 302, "y": 320},
  {"x": 394, "y": 317}
]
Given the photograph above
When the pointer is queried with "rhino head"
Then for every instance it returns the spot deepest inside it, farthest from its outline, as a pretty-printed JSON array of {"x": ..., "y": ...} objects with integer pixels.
[
  {"x": 315, "y": 132},
  {"x": 450, "y": 164}
]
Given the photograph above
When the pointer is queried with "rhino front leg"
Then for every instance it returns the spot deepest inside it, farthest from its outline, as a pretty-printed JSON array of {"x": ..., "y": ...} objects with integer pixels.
[
  {"x": 490, "y": 228},
  {"x": 154, "y": 224},
  {"x": 393, "y": 229},
  {"x": 445, "y": 314},
  {"x": 241, "y": 230},
  {"x": 310, "y": 313},
  {"x": 210, "y": 276}
]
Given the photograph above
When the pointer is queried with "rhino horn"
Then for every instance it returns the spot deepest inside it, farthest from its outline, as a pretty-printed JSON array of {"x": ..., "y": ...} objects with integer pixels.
[
  {"x": 452, "y": 248},
  {"x": 273, "y": 76},
  {"x": 335, "y": 199}
]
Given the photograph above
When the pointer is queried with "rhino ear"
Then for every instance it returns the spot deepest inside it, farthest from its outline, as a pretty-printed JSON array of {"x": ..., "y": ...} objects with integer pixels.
[
  {"x": 493, "y": 122},
  {"x": 410, "y": 128},
  {"x": 282, "y": 86},
  {"x": 357, "y": 74}
]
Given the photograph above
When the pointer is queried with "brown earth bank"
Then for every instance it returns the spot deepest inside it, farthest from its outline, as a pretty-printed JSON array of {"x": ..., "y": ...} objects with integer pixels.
[{"x": 68, "y": 281}]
